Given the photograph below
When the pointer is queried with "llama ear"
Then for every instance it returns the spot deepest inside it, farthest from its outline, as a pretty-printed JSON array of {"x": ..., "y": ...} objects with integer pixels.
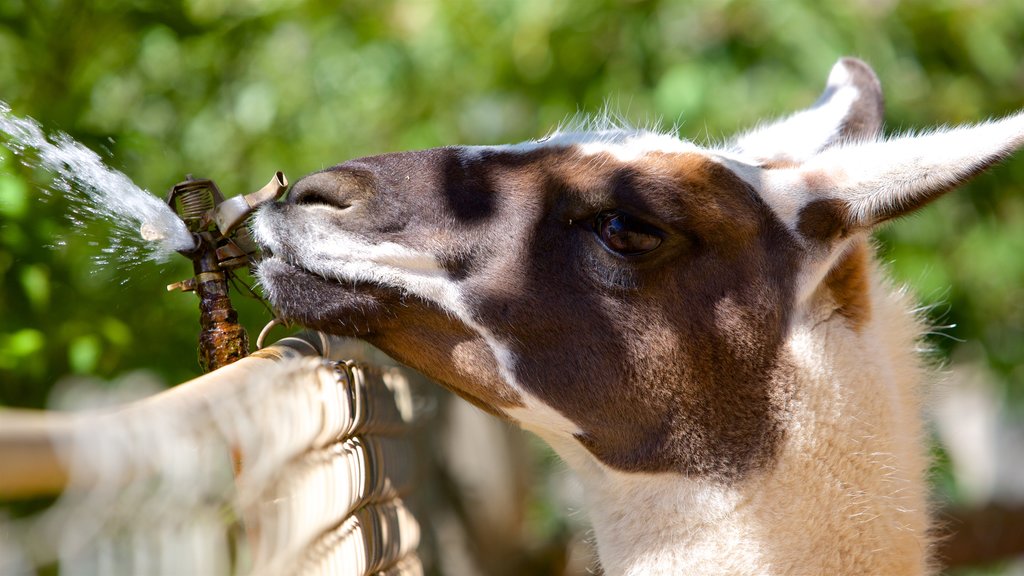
[
  {"x": 850, "y": 109},
  {"x": 854, "y": 187}
]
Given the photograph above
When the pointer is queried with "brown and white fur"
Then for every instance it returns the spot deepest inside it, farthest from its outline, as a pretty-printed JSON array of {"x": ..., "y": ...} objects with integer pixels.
[{"x": 701, "y": 333}]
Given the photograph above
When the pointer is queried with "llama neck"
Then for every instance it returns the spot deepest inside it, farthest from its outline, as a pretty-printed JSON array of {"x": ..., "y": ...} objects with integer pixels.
[{"x": 845, "y": 495}]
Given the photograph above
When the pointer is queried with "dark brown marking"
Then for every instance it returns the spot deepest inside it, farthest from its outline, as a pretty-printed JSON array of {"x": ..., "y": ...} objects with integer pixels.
[
  {"x": 849, "y": 285},
  {"x": 824, "y": 220}
]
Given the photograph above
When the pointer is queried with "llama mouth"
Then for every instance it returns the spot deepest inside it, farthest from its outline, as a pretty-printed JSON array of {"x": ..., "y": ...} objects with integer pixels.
[{"x": 342, "y": 307}]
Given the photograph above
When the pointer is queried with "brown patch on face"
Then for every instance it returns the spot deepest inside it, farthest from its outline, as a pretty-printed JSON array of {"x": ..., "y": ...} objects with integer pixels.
[
  {"x": 848, "y": 283},
  {"x": 413, "y": 331},
  {"x": 720, "y": 205},
  {"x": 679, "y": 371},
  {"x": 824, "y": 220},
  {"x": 456, "y": 358}
]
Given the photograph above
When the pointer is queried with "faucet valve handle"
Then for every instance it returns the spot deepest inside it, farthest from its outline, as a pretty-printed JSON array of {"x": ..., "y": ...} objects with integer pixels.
[{"x": 233, "y": 211}]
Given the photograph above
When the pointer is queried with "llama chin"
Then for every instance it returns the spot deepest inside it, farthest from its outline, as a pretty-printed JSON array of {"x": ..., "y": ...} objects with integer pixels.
[{"x": 702, "y": 333}]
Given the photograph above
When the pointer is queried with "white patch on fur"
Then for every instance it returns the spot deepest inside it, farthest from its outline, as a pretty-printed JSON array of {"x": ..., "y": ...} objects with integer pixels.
[
  {"x": 542, "y": 419},
  {"x": 636, "y": 146},
  {"x": 785, "y": 192},
  {"x": 655, "y": 524},
  {"x": 593, "y": 135},
  {"x": 335, "y": 255}
]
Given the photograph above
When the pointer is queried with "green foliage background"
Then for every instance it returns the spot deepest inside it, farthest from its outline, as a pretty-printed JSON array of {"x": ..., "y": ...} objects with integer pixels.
[{"x": 235, "y": 89}]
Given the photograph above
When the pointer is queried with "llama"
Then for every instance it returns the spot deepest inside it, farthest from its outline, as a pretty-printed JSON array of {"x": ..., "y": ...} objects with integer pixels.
[{"x": 702, "y": 334}]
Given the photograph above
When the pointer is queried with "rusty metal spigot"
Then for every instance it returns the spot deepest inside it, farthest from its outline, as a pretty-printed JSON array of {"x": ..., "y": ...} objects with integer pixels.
[{"x": 222, "y": 245}]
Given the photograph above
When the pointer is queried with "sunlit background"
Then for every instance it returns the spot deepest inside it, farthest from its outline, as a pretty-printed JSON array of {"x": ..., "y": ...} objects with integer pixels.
[{"x": 234, "y": 90}]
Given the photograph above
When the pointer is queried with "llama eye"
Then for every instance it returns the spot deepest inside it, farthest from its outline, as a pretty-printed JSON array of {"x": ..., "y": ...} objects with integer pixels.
[{"x": 626, "y": 235}]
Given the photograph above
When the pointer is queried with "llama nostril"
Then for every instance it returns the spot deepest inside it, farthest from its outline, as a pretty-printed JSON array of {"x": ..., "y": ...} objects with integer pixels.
[
  {"x": 320, "y": 197},
  {"x": 337, "y": 188}
]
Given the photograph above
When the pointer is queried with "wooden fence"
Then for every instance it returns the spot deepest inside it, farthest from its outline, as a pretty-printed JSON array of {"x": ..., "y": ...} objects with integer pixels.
[{"x": 292, "y": 460}]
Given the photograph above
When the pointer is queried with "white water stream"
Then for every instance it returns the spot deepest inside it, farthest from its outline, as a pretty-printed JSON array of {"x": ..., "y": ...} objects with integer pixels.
[{"x": 97, "y": 191}]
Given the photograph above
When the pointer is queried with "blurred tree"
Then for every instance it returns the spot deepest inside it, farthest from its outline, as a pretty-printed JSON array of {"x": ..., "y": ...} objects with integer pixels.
[{"x": 236, "y": 90}]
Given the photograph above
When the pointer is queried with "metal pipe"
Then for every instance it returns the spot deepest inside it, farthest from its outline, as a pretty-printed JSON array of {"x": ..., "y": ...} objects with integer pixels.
[{"x": 222, "y": 340}]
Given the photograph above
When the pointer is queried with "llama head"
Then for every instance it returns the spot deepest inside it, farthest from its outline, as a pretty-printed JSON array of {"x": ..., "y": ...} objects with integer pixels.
[{"x": 620, "y": 290}]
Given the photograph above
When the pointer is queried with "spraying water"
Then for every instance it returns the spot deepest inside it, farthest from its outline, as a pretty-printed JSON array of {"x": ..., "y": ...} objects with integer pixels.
[{"x": 97, "y": 191}]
